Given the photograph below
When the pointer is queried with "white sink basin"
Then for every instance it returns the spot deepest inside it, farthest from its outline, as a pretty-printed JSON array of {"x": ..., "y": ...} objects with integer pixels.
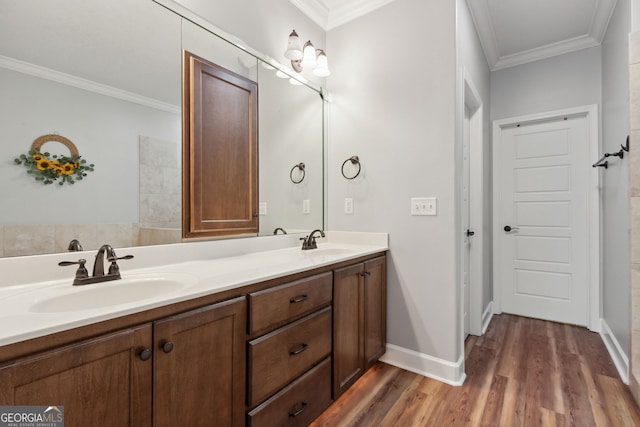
[
  {"x": 327, "y": 252},
  {"x": 106, "y": 294}
]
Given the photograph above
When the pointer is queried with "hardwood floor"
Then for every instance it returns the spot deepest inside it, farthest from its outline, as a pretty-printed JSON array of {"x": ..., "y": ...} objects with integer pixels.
[{"x": 522, "y": 372}]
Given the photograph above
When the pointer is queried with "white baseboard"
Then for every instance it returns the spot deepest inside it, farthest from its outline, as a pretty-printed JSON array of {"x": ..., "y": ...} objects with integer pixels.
[
  {"x": 487, "y": 316},
  {"x": 620, "y": 359},
  {"x": 425, "y": 365}
]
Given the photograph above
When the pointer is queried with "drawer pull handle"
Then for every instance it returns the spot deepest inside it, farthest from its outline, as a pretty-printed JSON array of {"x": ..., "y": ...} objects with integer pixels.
[
  {"x": 301, "y": 298},
  {"x": 299, "y": 350},
  {"x": 299, "y": 411}
]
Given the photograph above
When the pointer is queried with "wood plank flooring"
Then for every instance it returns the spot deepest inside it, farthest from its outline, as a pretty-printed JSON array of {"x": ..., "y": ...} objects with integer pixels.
[{"x": 522, "y": 372}]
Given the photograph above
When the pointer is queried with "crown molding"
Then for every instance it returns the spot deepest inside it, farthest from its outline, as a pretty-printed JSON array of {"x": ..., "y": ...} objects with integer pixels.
[
  {"x": 315, "y": 10},
  {"x": 80, "y": 83},
  {"x": 329, "y": 19},
  {"x": 353, "y": 9},
  {"x": 544, "y": 52},
  {"x": 482, "y": 19}
]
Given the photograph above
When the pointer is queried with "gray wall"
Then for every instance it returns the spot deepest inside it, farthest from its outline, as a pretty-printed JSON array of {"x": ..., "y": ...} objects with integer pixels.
[
  {"x": 615, "y": 180},
  {"x": 472, "y": 58},
  {"x": 263, "y": 25},
  {"x": 393, "y": 93},
  {"x": 563, "y": 81}
]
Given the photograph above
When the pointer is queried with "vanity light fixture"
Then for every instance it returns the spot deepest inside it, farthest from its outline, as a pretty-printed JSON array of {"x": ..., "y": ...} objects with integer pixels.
[{"x": 306, "y": 57}]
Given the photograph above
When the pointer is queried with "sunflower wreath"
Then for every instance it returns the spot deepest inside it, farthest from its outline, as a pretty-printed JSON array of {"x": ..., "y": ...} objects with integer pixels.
[{"x": 47, "y": 168}]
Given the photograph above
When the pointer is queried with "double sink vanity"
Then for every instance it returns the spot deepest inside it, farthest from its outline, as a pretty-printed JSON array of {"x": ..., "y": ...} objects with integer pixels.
[{"x": 238, "y": 332}]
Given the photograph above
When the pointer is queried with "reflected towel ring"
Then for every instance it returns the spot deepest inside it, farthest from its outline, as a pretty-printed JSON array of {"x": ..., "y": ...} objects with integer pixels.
[
  {"x": 354, "y": 161},
  {"x": 301, "y": 167}
]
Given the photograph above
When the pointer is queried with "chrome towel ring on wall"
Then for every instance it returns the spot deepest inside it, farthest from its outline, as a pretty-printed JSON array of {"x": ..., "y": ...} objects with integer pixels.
[
  {"x": 354, "y": 161},
  {"x": 298, "y": 166}
]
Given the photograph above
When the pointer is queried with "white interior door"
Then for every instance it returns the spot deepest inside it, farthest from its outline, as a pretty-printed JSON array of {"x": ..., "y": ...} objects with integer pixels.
[{"x": 543, "y": 219}]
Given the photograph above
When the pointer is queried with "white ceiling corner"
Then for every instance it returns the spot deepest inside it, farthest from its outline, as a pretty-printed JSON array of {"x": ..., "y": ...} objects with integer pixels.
[
  {"x": 314, "y": 9},
  {"x": 509, "y": 29},
  {"x": 329, "y": 14}
]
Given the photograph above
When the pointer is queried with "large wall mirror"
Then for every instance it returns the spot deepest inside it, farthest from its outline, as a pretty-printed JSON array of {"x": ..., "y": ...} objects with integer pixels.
[{"x": 107, "y": 76}]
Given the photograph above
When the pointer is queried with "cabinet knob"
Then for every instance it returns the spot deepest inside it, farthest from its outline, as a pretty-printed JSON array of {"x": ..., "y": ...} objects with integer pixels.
[
  {"x": 145, "y": 354},
  {"x": 293, "y": 414},
  {"x": 299, "y": 350},
  {"x": 166, "y": 346},
  {"x": 365, "y": 273}
]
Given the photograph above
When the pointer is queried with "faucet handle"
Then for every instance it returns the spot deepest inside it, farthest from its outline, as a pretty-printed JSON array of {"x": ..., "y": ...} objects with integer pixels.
[
  {"x": 81, "y": 272},
  {"x": 116, "y": 258},
  {"x": 113, "y": 268}
]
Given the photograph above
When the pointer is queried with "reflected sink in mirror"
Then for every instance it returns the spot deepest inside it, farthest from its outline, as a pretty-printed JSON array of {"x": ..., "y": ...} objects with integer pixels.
[{"x": 124, "y": 291}]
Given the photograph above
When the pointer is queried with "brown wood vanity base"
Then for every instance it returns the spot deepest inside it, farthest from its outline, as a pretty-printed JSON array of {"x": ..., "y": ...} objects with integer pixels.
[
  {"x": 299, "y": 403},
  {"x": 269, "y": 354}
]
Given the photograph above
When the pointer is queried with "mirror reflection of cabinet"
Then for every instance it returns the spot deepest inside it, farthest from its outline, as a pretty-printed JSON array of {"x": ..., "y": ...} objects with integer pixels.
[{"x": 220, "y": 151}]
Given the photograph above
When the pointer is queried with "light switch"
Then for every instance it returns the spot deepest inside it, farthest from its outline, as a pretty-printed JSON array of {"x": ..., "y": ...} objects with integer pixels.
[
  {"x": 262, "y": 208},
  {"x": 421, "y": 206},
  {"x": 306, "y": 206}
]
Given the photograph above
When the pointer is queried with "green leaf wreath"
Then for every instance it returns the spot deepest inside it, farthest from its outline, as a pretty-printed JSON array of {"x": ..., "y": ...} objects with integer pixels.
[{"x": 48, "y": 169}]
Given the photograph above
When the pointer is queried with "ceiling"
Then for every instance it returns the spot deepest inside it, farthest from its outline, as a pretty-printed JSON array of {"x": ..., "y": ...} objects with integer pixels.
[{"x": 512, "y": 32}]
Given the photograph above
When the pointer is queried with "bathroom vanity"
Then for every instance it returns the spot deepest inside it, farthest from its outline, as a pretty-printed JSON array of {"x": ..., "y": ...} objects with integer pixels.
[{"x": 270, "y": 339}]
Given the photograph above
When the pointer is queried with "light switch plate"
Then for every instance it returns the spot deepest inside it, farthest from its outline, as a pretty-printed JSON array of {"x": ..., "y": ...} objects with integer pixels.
[
  {"x": 422, "y": 206},
  {"x": 306, "y": 206},
  {"x": 262, "y": 208}
]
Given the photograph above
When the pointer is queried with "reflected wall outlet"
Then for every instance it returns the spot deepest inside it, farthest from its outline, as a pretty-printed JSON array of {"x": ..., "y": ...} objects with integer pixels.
[
  {"x": 262, "y": 208},
  {"x": 306, "y": 206},
  {"x": 348, "y": 206},
  {"x": 423, "y": 206}
]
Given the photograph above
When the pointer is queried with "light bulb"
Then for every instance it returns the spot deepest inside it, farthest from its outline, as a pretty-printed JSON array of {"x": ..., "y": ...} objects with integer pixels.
[
  {"x": 308, "y": 56},
  {"x": 294, "y": 51},
  {"x": 322, "y": 66}
]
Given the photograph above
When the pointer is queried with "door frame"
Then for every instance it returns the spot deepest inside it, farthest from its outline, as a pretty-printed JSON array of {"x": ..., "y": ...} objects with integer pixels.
[
  {"x": 594, "y": 287},
  {"x": 473, "y": 100}
]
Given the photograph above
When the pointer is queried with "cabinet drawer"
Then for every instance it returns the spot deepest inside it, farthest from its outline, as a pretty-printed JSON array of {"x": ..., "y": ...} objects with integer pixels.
[
  {"x": 276, "y": 306},
  {"x": 284, "y": 354},
  {"x": 299, "y": 403}
]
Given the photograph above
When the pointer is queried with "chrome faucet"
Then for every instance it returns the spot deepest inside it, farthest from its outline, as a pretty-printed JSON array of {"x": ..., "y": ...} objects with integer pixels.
[
  {"x": 82, "y": 275},
  {"x": 309, "y": 242}
]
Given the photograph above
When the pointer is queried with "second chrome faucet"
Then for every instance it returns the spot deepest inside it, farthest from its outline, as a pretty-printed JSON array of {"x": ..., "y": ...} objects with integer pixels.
[{"x": 82, "y": 275}]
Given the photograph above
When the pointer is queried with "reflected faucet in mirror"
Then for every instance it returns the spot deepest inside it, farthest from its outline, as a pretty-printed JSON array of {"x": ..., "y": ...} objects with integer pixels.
[
  {"x": 75, "y": 246},
  {"x": 279, "y": 229},
  {"x": 82, "y": 275}
]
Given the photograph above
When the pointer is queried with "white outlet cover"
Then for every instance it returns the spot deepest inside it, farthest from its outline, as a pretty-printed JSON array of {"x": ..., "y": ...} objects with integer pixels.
[
  {"x": 348, "y": 206},
  {"x": 262, "y": 208}
]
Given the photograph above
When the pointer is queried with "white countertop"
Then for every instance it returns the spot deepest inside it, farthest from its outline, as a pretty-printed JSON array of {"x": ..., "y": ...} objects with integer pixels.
[{"x": 41, "y": 307}]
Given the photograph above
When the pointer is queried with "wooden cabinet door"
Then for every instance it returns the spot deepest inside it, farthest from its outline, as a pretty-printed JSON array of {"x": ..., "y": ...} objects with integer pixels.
[
  {"x": 100, "y": 382},
  {"x": 375, "y": 310},
  {"x": 220, "y": 150},
  {"x": 348, "y": 327},
  {"x": 199, "y": 367}
]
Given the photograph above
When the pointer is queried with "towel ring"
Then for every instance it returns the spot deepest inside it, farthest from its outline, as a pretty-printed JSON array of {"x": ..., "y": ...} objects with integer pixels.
[
  {"x": 301, "y": 167},
  {"x": 354, "y": 161}
]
